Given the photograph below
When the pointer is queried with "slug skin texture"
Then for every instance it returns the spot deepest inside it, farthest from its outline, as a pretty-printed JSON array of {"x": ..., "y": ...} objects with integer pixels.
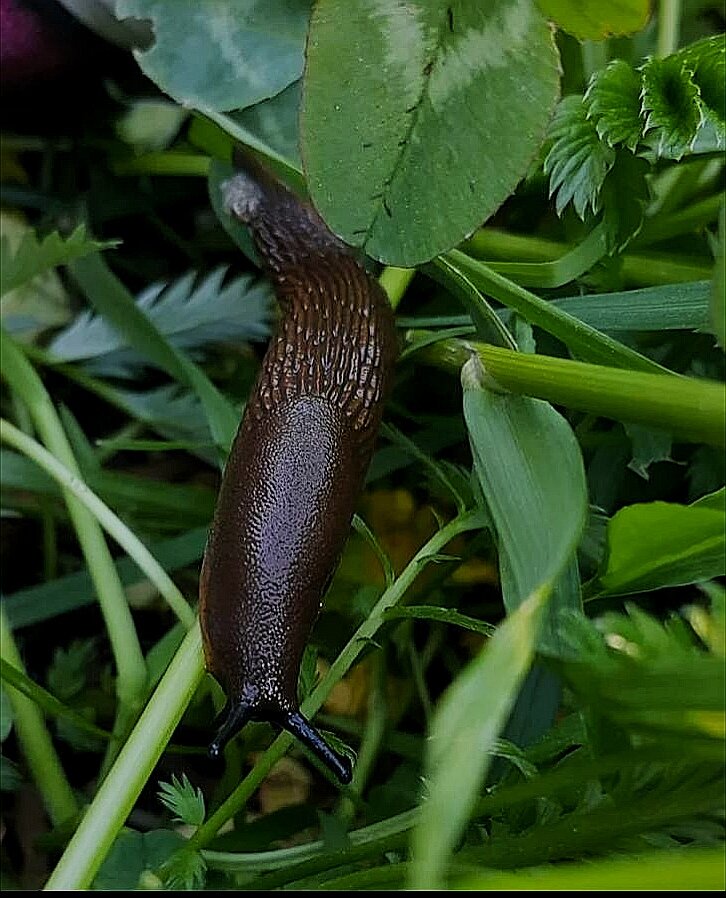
[{"x": 298, "y": 462}]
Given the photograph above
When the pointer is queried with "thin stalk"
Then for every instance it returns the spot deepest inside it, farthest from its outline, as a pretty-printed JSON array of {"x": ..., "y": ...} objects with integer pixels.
[
  {"x": 361, "y": 638},
  {"x": 128, "y": 657},
  {"x": 669, "y": 26},
  {"x": 692, "y": 409},
  {"x": 372, "y": 740},
  {"x": 134, "y": 765},
  {"x": 35, "y": 741},
  {"x": 637, "y": 269},
  {"x": 684, "y": 221},
  {"x": 160, "y": 163},
  {"x": 113, "y": 525}
]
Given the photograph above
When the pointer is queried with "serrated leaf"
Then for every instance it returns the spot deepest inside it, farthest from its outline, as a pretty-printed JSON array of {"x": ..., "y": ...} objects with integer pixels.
[
  {"x": 190, "y": 312},
  {"x": 613, "y": 102},
  {"x": 670, "y": 102},
  {"x": 33, "y": 256},
  {"x": 624, "y": 196},
  {"x": 387, "y": 88},
  {"x": 221, "y": 55},
  {"x": 649, "y": 446},
  {"x": 184, "y": 800},
  {"x": 706, "y": 60},
  {"x": 594, "y": 20},
  {"x": 578, "y": 160},
  {"x": 67, "y": 674}
]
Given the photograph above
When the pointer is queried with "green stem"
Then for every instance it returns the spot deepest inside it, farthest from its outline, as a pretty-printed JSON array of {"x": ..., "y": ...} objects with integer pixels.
[
  {"x": 130, "y": 665},
  {"x": 189, "y": 164},
  {"x": 581, "y": 339},
  {"x": 71, "y": 483},
  {"x": 135, "y": 762},
  {"x": 361, "y": 638},
  {"x": 669, "y": 26},
  {"x": 34, "y": 739},
  {"x": 637, "y": 269},
  {"x": 395, "y": 282},
  {"x": 692, "y": 409},
  {"x": 685, "y": 221}
]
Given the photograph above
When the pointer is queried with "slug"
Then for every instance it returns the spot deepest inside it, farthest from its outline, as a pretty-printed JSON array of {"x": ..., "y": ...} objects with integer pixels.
[{"x": 297, "y": 464}]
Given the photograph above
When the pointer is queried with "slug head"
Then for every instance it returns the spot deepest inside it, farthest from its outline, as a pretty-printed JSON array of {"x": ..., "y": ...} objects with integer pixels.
[{"x": 237, "y": 713}]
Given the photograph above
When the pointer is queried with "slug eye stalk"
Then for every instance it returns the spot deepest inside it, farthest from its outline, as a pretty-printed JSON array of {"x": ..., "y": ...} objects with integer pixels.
[{"x": 236, "y": 715}]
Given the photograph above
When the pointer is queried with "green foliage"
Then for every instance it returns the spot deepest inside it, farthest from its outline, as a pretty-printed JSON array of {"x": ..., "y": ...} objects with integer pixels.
[
  {"x": 33, "y": 256},
  {"x": 382, "y": 119},
  {"x": 184, "y": 801},
  {"x": 665, "y": 109},
  {"x": 591, "y": 20},
  {"x": 222, "y": 56},
  {"x": 190, "y": 313},
  {"x": 659, "y": 544}
]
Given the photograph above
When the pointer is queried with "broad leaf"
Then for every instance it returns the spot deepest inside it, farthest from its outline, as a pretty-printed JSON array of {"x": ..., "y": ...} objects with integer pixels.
[
  {"x": 530, "y": 469},
  {"x": 657, "y": 544},
  {"x": 717, "y": 306},
  {"x": 222, "y": 54},
  {"x": 398, "y": 93},
  {"x": 594, "y": 20}
]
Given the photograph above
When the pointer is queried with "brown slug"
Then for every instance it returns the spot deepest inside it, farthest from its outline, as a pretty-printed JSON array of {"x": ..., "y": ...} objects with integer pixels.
[{"x": 297, "y": 464}]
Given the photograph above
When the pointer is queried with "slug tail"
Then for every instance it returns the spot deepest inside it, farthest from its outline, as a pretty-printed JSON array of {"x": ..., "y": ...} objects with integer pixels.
[
  {"x": 338, "y": 764},
  {"x": 234, "y": 717}
]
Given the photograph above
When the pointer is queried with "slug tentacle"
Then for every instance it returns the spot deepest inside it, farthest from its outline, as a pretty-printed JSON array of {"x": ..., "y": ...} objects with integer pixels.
[{"x": 297, "y": 464}]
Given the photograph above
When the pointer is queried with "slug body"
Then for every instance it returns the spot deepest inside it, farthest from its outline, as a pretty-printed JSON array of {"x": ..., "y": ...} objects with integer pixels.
[{"x": 297, "y": 465}]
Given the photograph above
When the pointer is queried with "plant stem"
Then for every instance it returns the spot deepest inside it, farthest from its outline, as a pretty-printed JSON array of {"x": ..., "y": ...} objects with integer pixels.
[
  {"x": 395, "y": 282},
  {"x": 135, "y": 762},
  {"x": 361, "y": 638},
  {"x": 669, "y": 26},
  {"x": 692, "y": 409},
  {"x": 164, "y": 163},
  {"x": 128, "y": 541},
  {"x": 129, "y": 660},
  {"x": 35, "y": 741},
  {"x": 637, "y": 269}
]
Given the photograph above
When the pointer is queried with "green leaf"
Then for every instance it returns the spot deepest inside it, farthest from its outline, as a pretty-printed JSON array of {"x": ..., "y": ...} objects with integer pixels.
[
  {"x": 717, "y": 306},
  {"x": 578, "y": 160},
  {"x": 645, "y": 675},
  {"x": 441, "y": 615},
  {"x": 624, "y": 196},
  {"x": 221, "y": 54},
  {"x": 649, "y": 446},
  {"x": 131, "y": 854},
  {"x": 706, "y": 60},
  {"x": 593, "y": 20},
  {"x": 111, "y": 299},
  {"x": 686, "y": 870},
  {"x": 468, "y": 719},
  {"x": 657, "y": 544},
  {"x": 613, "y": 103},
  {"x": 396, "y": 94},
  {"x": 34, "y": 257},
  {"x": 67, "y": 674},
  {"x": 670, "y": 100},
  {"x": 11, "y": 778},
  {"x": 184, "y": 801},
  {"x": 189, "y": 312},
  {"x": 529, "y": 465}
]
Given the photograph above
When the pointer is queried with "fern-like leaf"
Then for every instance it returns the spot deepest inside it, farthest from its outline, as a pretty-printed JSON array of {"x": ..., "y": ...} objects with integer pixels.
[
  {"x": 190, "y": 313},
  {"x": 33, "y": 256},
  {"x": 183, "y": 800},
  {"x": 579, "y": 160},
  {"x": 613, "y": 103}
]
